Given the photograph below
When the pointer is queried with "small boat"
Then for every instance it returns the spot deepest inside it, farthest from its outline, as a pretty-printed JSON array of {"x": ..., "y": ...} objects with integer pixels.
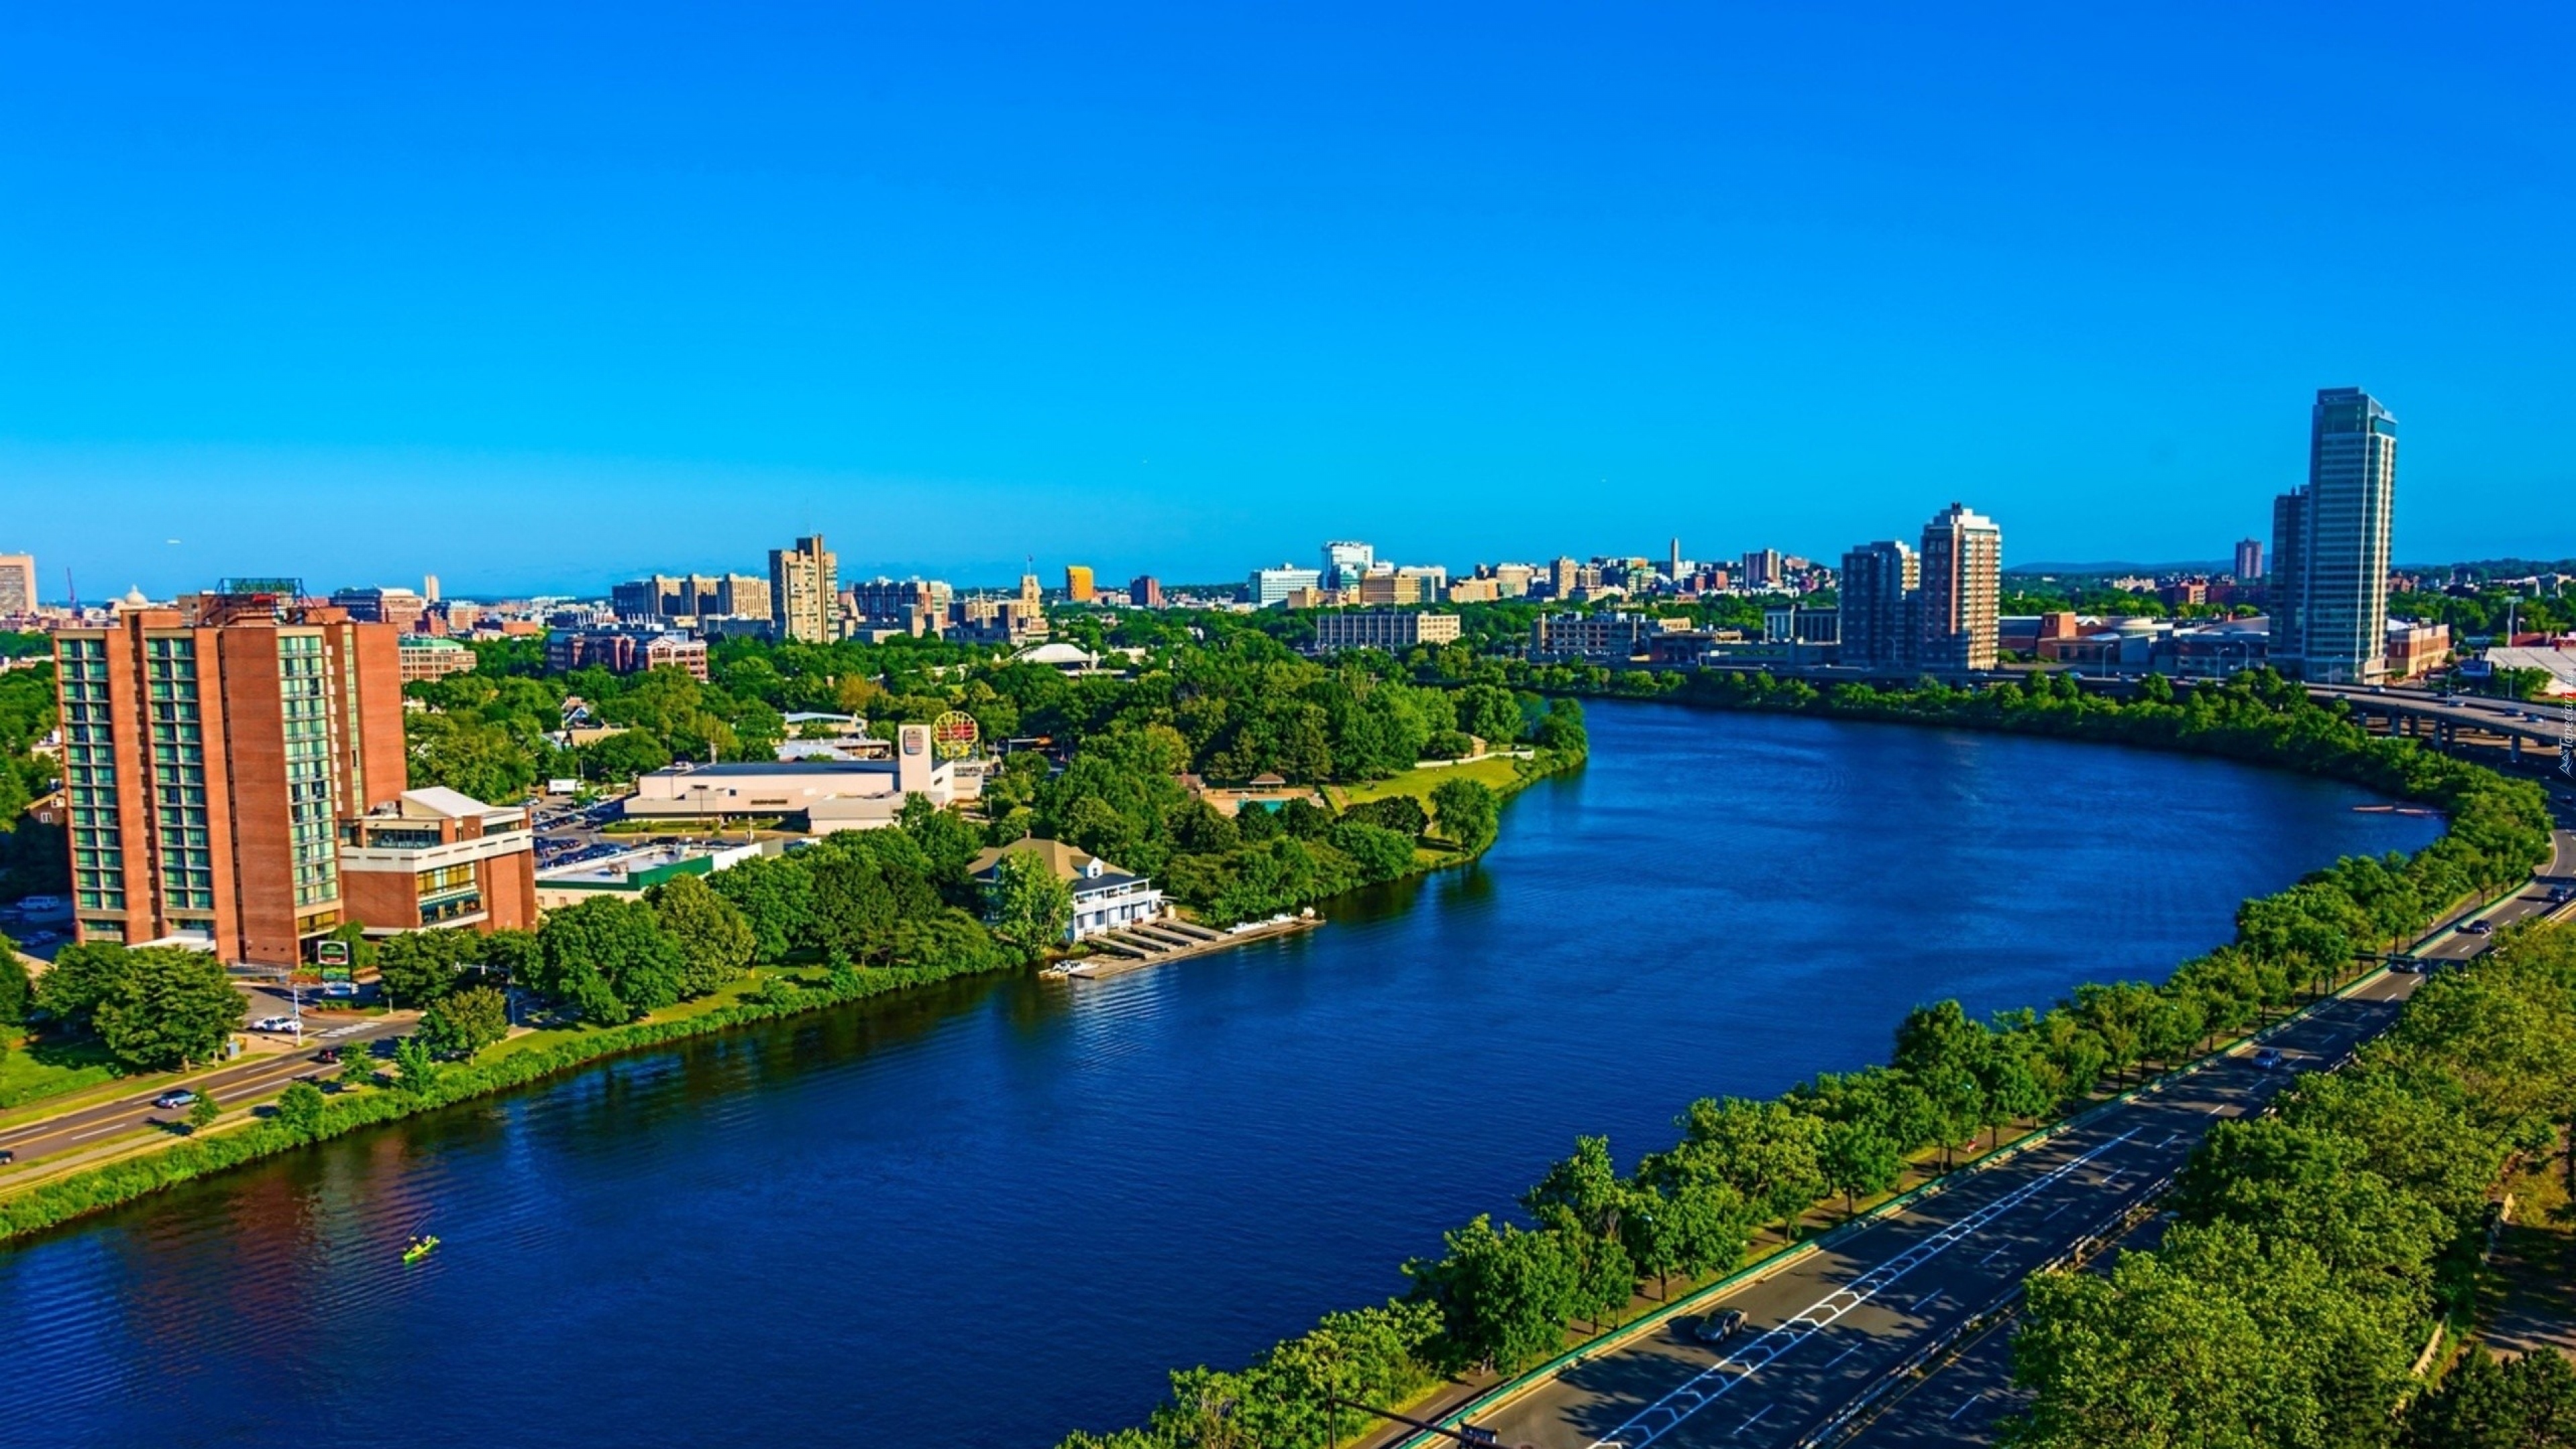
[{"x": 420, "y": 1248}]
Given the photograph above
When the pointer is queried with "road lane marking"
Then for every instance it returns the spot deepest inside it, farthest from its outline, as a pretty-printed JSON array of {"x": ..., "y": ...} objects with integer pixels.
[
  {"x": 1719, "y": 1379},
  {"x": 1990, "y": 1255},
  {"x": 1756, "y": 1419},
  {"x": 1976, "y": 1399},
  {"x": 110, "y": 1127},
  {"x": 2052, "y": 1212},
  {"x": 1846, "y": 1353}
]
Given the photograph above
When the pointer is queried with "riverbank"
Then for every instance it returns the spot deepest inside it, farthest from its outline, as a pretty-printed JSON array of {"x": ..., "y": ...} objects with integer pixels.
[
  {"x": 1504, "y": 1295},
  {"x": 770, "y": 993}
]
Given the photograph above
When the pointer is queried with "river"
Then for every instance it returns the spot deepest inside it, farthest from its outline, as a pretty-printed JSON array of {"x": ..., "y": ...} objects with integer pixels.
[{"x": 991, "y": 1212}]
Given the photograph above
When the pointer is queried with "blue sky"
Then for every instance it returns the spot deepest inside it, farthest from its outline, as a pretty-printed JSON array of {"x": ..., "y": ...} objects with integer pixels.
[{"x": 540, "y": 295}]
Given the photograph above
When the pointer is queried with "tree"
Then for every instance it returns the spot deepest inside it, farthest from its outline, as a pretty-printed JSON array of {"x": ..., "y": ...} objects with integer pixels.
[
  {"x": 465, "y": 1022},
  {"x": 357, "y": 1064},
  {"x": 418, "y": 967},
  {"x": 775, "y": 895},
  {"x": 1026, "y": 905},
  {"x": 714, "y": 939},
  {"x": 17, "y": 993},
  {"x": 1504, "y": 1294},
  {"x": 300, "y": 1108},
  {"x": 83, "y": 976},
  {"x": 1859, "y": 1159},
  {"x": 203, "y": 1112},
  {"x": 609, "y": 960},
  {"x": 1490, "y": 713},
  {"x": 1468, "y": 813},
  {"x": 1380, "y": 853},
  {"x": 174, "y": 1007},
  {"x": 415, "y": 1066},
  {"x": 2529, "y": 1403}
]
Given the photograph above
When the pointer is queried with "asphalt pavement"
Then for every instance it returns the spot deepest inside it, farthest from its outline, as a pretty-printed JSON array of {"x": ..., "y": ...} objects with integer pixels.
[
  {"x": 101, "y": 1123},
  {"x": 1822, "y": 1331}
]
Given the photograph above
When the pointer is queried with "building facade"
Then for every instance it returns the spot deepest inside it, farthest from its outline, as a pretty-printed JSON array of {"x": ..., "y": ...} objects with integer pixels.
[
  {"x": 1392, "y": 630},
  {"x": 1079, "y": 585},
  {"x": 1962, "y": 568},
  {"x": 212, "y": 755},
  {"x": 1879, "y": 582},
  {"x": 2328, "y": 594},
  {"x": 401, "y": 608},
  {"x": 2249, "y": 560},
  {"x": 438, "y": 857},
  {"x": 1145, "y": 591},
  {"x": 424, "y": 656},
  {"x": 1600, "y": 638},
  {"x": 1105, "y": 897},
  {"x": 1268, "y": 587},
  {"x": 17, "y": 586},
  {"x": 804, "y": 592},
  {"x": 1346, "y": 562}
]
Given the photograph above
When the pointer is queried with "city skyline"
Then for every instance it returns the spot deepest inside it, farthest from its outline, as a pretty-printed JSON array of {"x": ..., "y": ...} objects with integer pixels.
[{"x": 1248, "y": 282}]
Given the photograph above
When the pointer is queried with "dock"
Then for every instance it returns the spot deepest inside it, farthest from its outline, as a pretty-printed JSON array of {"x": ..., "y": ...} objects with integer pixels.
[{"x": 1152, "y": 943}]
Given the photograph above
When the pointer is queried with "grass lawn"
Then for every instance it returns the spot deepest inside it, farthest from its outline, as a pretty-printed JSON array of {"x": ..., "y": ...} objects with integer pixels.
[
  {"x": 1500, "y": 772},
  {"x": 728, "y": 994},
  {"x": 30, "y": 1073}
]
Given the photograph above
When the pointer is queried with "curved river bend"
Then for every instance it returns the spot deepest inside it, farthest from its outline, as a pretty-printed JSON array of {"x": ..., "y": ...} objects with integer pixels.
[{"x": 990, "y": 1213}]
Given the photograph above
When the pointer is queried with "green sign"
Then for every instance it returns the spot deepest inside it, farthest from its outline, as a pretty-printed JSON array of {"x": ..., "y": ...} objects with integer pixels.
[{"x": 331, "y": 953}]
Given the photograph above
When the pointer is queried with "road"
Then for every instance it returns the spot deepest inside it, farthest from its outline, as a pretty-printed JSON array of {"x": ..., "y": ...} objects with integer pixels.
[
  {"x": 1960, "y": 1403},
  {"x": 102, "y": 1123},
  {"x": 2494, "y": 716},
  {"x": 1825, "y": 1329}
]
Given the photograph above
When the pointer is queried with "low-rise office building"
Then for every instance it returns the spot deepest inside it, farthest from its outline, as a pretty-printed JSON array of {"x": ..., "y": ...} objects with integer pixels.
[
  {"x": 424, "y": 656},
  {"x": 1393, "y": 630},
  {"x": 829, "y": 795},
  {"x": 1600, "y": 638},
  {"x": 625, "y": 652},
  {"x": 628, "y": 876},
  {"x": 439, "y": 857}
]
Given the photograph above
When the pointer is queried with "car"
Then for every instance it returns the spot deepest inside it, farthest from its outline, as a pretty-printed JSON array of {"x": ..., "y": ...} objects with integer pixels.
[
  {"x": 277, "y": 1023},
  {"x": 339, "y": 990},
  {"x": 2478, "y": 928},
  {"x": 179, "y": 1097},
  {"x": 2268, "y": 1059},
  {"x": 1719, "y": 1327},
  {"x": 327, "y": 1055},
  {"x": 2561, "y": 895},
  {"x": 7, "y": 1157}
]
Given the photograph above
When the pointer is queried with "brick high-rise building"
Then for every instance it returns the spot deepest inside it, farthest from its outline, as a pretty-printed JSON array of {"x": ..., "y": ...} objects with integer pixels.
[
  {"x": 2249, "y": 560},
  {"x": 1145, "y": 591},
  {"x": 1963, "y": 566},
  {"x": 805, "y": 592},
  {"x": 212, "y": 753}
]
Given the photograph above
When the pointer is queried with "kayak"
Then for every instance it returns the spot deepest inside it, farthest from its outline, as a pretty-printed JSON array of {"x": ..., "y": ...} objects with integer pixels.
[{"x": 420, "y": 1248}]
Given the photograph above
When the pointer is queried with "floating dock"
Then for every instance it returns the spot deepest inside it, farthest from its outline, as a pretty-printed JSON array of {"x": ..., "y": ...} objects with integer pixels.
[{"x": 1152, "y": 943}]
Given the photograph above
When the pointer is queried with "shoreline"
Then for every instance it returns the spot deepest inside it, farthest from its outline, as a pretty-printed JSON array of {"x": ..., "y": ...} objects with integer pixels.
[{"x": 57, "y": 1201}]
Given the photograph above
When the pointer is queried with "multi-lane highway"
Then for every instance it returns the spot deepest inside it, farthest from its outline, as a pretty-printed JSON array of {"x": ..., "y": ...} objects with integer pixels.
[
  {"x": 104, "y": 1123},
  {"x": 1822, "y": 1332}
]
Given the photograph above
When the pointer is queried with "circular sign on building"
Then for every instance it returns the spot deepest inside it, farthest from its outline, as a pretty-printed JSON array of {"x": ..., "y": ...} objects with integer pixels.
[{"x": 953, "y": 735}]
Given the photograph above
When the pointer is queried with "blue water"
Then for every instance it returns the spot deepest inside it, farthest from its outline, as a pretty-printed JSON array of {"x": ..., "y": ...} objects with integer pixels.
[{"x": 989, "y": 1213}]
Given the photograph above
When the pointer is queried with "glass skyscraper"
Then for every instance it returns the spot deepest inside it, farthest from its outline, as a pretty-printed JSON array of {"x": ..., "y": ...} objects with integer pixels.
[{"x": 2328, "y": 595}]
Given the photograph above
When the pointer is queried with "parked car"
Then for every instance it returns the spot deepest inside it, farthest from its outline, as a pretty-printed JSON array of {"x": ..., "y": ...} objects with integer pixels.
[
  {"x": 277, "y": 1023},
  {"x": 1719, "y": 1327},
  {"x": 2268, "y": 1059},
  {"x": 180, "y": 1097},
  {"x": 339, "y": 990}
]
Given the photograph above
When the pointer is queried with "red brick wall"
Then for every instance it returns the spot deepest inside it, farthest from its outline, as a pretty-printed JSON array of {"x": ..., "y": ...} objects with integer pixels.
[
  {"x": 254, "y": 738},
  {"x": 510, "y": 892},
  {"x": 381, "y": 898}
]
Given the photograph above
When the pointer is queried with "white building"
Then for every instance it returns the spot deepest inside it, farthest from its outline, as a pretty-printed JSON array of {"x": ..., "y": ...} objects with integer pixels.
[
  {"x": 1104, "y": 897},
  {"x": 831, "y": 794}
]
